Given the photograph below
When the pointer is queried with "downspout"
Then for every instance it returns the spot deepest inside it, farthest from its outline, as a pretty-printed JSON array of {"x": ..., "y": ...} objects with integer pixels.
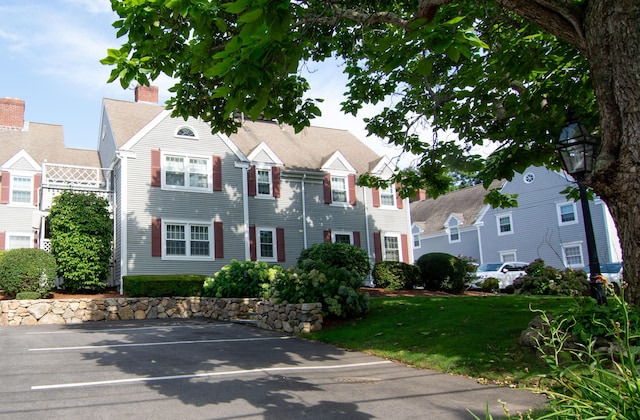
[
  {"x": 478, "y": 226},
  {"x": 245, "y": 208},
  {"x": 123, "y": 220},
  {"x": 366, "y": 228},
  {"x": 304, "y": 213}
]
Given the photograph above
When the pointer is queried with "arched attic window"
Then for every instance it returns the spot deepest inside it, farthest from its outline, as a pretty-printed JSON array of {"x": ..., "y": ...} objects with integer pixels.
[{"x": 185, "y": 131}]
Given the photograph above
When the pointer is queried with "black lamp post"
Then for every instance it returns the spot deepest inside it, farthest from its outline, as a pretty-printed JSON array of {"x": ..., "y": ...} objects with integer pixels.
[{"x": 577, "y": 150}]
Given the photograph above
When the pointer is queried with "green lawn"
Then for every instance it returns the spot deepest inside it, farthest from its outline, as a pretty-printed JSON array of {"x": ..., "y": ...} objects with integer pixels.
[{"x": 475, "y": 336}]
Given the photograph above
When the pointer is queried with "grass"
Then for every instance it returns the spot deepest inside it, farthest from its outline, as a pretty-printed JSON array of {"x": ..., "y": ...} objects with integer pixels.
[{"x": 471, "y": 336}]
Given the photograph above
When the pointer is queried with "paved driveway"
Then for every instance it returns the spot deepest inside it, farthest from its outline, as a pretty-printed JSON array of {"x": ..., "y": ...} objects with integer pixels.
[{"x": 204, "y": 369}]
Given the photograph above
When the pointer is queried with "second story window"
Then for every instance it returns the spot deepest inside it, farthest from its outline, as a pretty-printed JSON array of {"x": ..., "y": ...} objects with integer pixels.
[
  {"x": 505, "y": 225},
  {"x": 567, "y": 214},
  {"x": 21, "y": 190},
  {"x": 339, "y": 189},
  {"x": 263, "y": 181},
  {"x": 388, "y": 196},
  {"x": 187, "y": 172},
  {"x": 391, "y": 248}
]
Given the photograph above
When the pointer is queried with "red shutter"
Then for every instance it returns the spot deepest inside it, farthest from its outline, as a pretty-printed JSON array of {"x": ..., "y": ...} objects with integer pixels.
[
  {"x": 404, "y": 239},
  {"x": 2, "y": 235},
  {"x": 399, "y": 200},
  {"x": 4, "y": 188},
  {"x": 326, "y": 186},
  {"x": 280, "y": 244},
  {"x": 376, "y": 197},
  {"x": 217, "y": 173},
  {"x": 356, "y": 239},
  {"x": 252, "y": 243},
  {"x": 275, "y": 180},
  {"x": 327, "y": 235},
  {"x": 251, "y": 180},
  {"x": 37, "y": 180},
  {"x": 352, "y": 189},
  {"x": 218, "y": 239},
  {"x": 377, "y": 246},
  {"x": 156, "y": 237},
  {"x": 35, "y": 239},
  {"x": 155, "y": 168}
]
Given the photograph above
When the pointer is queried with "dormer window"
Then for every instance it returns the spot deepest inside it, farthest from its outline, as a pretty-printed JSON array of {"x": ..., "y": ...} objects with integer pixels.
[
  {"x": 186, "y": 132},
  {"x": 388, "y": 196}
]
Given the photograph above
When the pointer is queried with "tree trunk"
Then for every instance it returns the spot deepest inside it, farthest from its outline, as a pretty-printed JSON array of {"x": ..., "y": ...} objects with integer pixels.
[{"x": 612, "y": 31}]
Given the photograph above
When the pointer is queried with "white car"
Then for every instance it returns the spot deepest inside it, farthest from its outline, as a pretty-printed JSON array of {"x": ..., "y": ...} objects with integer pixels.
[
  {"x": 612, "y": 272},
  {"x": 505, "y": 272}
]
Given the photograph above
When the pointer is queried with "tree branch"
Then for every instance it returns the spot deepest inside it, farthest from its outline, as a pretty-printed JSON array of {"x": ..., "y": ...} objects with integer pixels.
[{"x": 561, "y": 18}]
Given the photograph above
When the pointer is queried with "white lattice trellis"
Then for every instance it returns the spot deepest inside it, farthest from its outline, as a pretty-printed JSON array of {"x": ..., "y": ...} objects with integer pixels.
[{"x": 72, "y": 176}]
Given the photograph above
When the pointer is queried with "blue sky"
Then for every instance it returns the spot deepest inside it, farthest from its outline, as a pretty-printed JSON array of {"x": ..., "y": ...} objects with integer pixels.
[{"x": 50, "y": 53}]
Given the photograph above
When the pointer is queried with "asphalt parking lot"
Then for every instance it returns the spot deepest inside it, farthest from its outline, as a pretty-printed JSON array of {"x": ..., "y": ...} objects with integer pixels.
[{"x": 205, "y": 369}]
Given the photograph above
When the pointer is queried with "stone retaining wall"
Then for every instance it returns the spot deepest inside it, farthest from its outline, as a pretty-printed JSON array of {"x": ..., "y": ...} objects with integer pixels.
[{"x": 290, "y": 318}]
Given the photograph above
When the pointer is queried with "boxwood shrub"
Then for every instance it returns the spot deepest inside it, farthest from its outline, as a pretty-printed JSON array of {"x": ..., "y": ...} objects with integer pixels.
[
  {"x": 442, "y": 271},
  {"x": 336, "y": 254},
  {"x": 27, "y": 270},
  {"x": 242, "y": 279},
  {"x": 157, "y": 285},
  {"x": 395, "y": 275}
]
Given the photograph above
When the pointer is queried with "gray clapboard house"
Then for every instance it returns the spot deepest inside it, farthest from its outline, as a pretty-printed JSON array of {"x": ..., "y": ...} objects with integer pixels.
[
  {"x": 189, "y": 201},
  {"x": 185, "y": 200},
  {"x": 544, "y": 225}
]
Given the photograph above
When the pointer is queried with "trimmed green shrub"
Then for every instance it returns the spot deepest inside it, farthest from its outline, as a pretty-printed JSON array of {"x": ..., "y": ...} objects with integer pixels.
[
  {"x": 81, "y": 236},
  {"x": 242, "y": 279},
  {"x": 163, "y": 285},
  {"x": 395, "y": 275},
  {"x": 490, "y": 285},
  {"x": 335, "y": 287},
  {"x": 27, "y": 270},
  {"x": 336, "y": 254},
  {"x": 546, "y": 280},
  {"x": 441, "y": 271},
  {"x": 28, "y": 296}
]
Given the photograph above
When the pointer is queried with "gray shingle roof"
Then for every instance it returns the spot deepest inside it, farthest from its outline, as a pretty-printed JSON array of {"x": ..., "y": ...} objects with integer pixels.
[
  {"x": 466, "y": 204},
  {"x": 44, "y": 142},
  {"x": 127, "y": 118}
]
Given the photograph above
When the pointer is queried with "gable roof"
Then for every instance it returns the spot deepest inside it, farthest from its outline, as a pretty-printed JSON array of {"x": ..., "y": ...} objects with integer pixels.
[
  {"x": 306, "y": 150},
  {"x": 466, "y": 204},
  {"x": 44, "y": 142},
  {"x": 127, "y": 118}
]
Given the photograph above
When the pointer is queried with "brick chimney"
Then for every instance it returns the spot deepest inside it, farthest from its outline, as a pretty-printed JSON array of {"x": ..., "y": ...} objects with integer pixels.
[
  {"x": 146, "y": 94},
  {"x": 420, "y": 195},
  {"x": 12, "y": 113}
]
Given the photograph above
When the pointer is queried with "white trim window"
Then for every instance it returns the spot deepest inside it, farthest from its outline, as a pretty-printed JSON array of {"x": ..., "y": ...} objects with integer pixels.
[
  {"x": 267, "y": 247},
  {"x": 16, "y": 240},
  {"x": 508, "y": 256},
  {"x": 339, "y": 190},
  {"x": 186, "y": 132},
  {"x": 391, "y": 247},
  {"x": 567, "y": 214},
  {"x": 388, "y": 196},
  {"x": 504, "y": 223},
  {"x": 572, "y": 255},
  {"x": 342, "y": 237},
  {"x": 416, "y": 240},
  {"x": 21, "y": 190},
  {"x": 186, "y": 172},
  {"x": 187, "y": 240},
  {"x": 454, "y": 234},
  {"x": 264, "y": 185}
]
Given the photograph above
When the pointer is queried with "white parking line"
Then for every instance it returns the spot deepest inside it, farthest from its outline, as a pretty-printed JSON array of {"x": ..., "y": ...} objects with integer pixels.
[
  {"x": 161, "y": 343},
  {"x": 164, "y": 327},
  {"x": 204, "y": 375}
]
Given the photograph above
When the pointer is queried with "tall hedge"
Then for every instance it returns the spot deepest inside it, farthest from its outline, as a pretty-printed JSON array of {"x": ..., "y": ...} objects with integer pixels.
[{"x": 81, "y": 235}]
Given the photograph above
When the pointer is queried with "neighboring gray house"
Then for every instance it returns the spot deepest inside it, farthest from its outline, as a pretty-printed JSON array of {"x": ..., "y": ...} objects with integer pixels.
[
  {"x": 544, "y": 225},
  {"x": 189, "y": 201}
]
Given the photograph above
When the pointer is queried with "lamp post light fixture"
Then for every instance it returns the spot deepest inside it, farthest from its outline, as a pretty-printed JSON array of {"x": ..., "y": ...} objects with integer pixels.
[{"x": 576, "y": 148}]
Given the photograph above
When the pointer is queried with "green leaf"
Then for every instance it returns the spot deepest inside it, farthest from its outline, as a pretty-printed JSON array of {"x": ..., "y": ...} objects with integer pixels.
[{"x": 251, "y": 16}]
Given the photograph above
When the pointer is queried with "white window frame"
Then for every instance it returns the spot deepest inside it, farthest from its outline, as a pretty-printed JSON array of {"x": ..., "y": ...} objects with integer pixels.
[
  {"x": 12, "y": 189},
  {"x": 342, "y": 233},
  {"x": 186, "y": 157},
  {"x": 384, "y": 246},
  {"x": 416, "y": 240},
  {"x": 9, "y": 235},
  {"x": 345, "y": 179},
  {"x": 187, "y": 225},
  {"x": 390, "y": 195},
  {"x": 501, "y": 216},
  {"x": 508, "y": 255},
  {"x": 572, "y": 245},
  {"x": 269, "y": 171},
  {"x": 274, "y": 244},
  {"x": 559, "y": 207}
]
